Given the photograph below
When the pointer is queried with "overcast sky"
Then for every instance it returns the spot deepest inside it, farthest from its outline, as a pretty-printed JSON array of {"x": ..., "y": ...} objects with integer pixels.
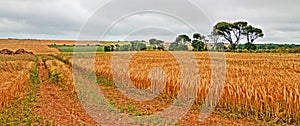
[{"x": 144, "y": 19}]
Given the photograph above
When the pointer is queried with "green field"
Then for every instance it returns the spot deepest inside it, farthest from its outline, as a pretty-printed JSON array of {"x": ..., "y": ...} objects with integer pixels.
[{"x": 79, "y": 48}]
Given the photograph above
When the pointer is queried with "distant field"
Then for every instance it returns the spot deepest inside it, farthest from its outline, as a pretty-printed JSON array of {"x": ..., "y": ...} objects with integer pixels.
[
  {"x": 35, "y": 46},
  {"x": 43, "y": 46},
  {"x": 58, "y": 46},
  {"x": 82, "y": 48}
]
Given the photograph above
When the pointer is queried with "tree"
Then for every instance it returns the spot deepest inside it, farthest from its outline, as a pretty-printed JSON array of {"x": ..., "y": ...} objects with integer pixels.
[
  {"x": 140, "y": 47},
  {"x": 250, "y": 46},
  {"x": 224, "y": 29},
  {"x": 232, "y": 32},
  {"x": 220, "y": 47},
  {"x": 182, "y": 47},
  {"x": 155, "y": 43},
  {"x": 161, "y": 47},
  {"x": 197, "y": 43},
  {"x": 183, "y": 39},
  {"x": 175, "y": 46},
  {"x": 180, "y": 43},
  {"x": 125, "y": 47},
  {"x": 117, "y": 47},
  {"x": 253, "y": 33},
  {"x": 214, "y": 37},
  {"x": 235, "y": 32},
  {"x": 238, "y": 29},
  {"x": 154, "y": 47},
  {"x": 197, "y": 36},
  {"x": 133, "y": 45},
  {"x": 152, "y": 41},
  {"x": 112, "y": 47},
  {"x": 159, "y": 42},
  {"x": 107, "y": 48}
]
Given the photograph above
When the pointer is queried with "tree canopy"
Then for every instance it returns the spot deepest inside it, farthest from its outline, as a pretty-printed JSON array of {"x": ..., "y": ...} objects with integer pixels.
[
  {"x": 253, "y": 33},
  {"x": 157, "y": 44},
  {"x": 183, "y": 39},
  {"x": 198, "y": 42},
  {"x": 235, "y": 32}
]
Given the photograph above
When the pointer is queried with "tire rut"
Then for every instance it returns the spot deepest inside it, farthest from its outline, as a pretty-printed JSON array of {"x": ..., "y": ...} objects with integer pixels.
[{"x": 58, "y": 106}]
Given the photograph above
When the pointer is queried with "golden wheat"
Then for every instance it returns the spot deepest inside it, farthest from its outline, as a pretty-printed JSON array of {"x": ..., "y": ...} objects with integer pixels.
[
  {"x": 263, "y": 86},
  {"x": 15, "y": 74},
  {"x": 61, "y": 73}
]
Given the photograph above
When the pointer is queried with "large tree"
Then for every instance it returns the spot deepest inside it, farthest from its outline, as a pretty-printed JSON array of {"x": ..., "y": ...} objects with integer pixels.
[
  {"x": 235, "y": 32},
  {"x": 183, "y": 39},
  {"x": 232, "y": 32}
]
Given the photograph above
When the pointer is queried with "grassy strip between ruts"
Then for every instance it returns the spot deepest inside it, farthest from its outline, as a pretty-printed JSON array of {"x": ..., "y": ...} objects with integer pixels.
[{"x": 20, "y": 111}]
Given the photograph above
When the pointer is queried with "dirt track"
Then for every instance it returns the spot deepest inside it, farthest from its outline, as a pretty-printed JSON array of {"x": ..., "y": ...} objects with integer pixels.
[{"x": 58, "y": 106}]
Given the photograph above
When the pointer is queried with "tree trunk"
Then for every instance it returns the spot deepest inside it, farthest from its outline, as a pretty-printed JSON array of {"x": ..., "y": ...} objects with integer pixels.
[{"x": 233, "y": 47}]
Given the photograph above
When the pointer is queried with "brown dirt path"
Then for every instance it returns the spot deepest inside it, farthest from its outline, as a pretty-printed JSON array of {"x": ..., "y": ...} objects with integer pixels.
[{"x": 57, "y": 105}]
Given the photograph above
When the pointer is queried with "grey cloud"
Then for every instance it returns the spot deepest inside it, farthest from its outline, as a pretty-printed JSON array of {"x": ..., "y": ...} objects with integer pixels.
[
  {"x": 40, "y": 17},
  {"x": 63, "y": 19}
]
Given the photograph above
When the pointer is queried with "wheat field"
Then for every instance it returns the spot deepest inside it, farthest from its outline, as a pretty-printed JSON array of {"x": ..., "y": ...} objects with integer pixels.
[
  {"x": 260, "y": 86},
  {"x": 15, "y": 74}
]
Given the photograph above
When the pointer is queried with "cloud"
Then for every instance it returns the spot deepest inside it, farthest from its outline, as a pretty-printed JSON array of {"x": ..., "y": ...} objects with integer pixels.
[
  {"x": 36, "y": 17},
  {"x": 68, "y": 19}
]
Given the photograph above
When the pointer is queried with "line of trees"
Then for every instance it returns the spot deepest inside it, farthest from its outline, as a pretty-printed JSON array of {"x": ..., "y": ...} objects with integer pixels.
[
  {"x": 133, "y": 46},
  {"x": 234, "y": 33}
]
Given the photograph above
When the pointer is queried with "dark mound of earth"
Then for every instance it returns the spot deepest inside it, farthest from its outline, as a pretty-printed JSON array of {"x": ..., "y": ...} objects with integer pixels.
[{"x": 18, "y": 52}]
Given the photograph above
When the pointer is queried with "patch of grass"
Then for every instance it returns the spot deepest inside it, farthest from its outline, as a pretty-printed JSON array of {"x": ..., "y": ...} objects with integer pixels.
[
  {"x": 53, "y": 77},
  {"x": 79, "y": 48},
  {"x": 232, "y": 113},
  {"x": 104, "y": 81},
  {"x": 34, "y": 75},
  {"x": 130, "y": 108}
]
